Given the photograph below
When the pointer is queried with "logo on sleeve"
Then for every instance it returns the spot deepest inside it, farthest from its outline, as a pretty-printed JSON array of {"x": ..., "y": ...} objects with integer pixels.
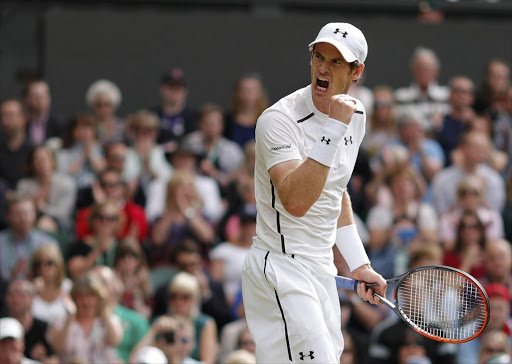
[
  {"x": 326, "y": 141},
  {"x": 280, "y": 147},
  {"x": 348, "y": 140}
]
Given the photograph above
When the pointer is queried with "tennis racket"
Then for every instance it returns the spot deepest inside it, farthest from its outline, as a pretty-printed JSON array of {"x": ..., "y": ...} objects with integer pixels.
[{"x": 442, "y": 303}]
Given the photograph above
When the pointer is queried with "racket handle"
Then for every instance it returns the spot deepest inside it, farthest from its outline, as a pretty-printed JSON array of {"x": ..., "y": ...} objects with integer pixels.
[{"x": 348, "y": 283}]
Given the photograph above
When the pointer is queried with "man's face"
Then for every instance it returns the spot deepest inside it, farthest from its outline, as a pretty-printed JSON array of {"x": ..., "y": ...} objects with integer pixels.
[
  {"x": 330, "y": 75},
  {"x": 500, "y": 309},
  {"x": 12, "y": 117},
  {"x": 188, "y": 262},
  {"x": 461, "y": 93},
  {"x": 22, "y": 216},
  {"x": 424, "y": 71},
  {"x": 11, "y": 350},
  {"x": 112, "y": 185},
  {"x": 116, "y": 157},
  {"x": 18, "y": 298},
  {"x": 173, "y": 94},
  {"x": 38, "y": 97},
  {"x": 498, "y": 261}
]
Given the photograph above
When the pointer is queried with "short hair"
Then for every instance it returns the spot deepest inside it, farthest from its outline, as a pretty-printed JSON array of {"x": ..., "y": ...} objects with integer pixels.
[
  {"x": 16, "y": 198},
  {"x": 103, "y": 87},
  {"x": 425, "y": 251},
  {"x": 424, "y": 52},
  {"x": 144, "y": 118},
  {"x": 88, "y": 283}
]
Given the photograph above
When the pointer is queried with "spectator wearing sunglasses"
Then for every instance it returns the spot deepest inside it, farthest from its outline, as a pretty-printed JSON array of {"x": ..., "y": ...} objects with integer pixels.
[
  {"x": 98, "y": 247},
  {"x": 470, "y": 196},
  {"x": 495, "y": 345},
  {"x": 110, "y": 186},
  {"x": 184, "y": 295},
  {"x": 48, "y": 273}
]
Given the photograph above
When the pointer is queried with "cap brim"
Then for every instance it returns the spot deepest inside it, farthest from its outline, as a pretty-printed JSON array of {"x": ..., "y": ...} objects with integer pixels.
[{"x": 345, "y": 52}]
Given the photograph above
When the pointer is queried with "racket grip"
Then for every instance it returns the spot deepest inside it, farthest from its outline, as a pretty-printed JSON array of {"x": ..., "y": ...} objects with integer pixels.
[{"x": 348, "y": 283}]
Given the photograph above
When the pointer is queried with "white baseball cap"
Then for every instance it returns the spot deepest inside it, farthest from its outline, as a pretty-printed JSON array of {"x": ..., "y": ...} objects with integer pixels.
[
  {"x": 10, "y": 327},
  {"x": 150, "y": 355},
  {"x": 348, "y": 39}
]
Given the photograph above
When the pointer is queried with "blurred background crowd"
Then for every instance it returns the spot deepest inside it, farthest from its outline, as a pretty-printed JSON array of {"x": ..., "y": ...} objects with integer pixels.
[{"x": 122, "y": 236}]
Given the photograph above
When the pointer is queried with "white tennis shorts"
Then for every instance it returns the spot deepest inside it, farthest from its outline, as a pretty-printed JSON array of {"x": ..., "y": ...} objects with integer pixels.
[{"x": 293, "y": 312}]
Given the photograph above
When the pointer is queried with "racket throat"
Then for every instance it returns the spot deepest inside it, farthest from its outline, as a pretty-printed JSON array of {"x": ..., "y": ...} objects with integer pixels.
[{"x": 385, "y": 301}]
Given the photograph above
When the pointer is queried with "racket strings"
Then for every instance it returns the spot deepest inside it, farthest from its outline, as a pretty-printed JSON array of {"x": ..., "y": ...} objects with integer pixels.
[{"x": 442, "y": 304}]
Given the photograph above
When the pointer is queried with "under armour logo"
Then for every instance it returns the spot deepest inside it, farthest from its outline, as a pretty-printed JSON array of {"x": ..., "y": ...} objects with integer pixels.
[
  {"x": 302, "y": 356},
  {"x": 348, "y": 140},
  {"x": 344, "y": 34},
  {"x": 327, "y": 141}
]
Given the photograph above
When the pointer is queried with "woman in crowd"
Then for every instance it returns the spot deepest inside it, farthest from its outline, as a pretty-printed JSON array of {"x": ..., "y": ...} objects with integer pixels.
[
  {"x": 130, "y": 266},
  {"x": 468, "y": 250},
  {"x": 184, "y": 296},
  {"x": 395, "y": 226},
  {"x": 182, "y": 217},
  {"x": 99, "y": 247},
  {"x": 248, "y": 101},
  {"x": 52, "y": 300},
  {"x": 81, "y": 155},
  {"x": 54, "y": 193},
  {"x": 104, "y": 98},
  {"x": 495, "y": 344},
  {"x": 470, "y": 196},
  {"x": 90, "y": 334}
]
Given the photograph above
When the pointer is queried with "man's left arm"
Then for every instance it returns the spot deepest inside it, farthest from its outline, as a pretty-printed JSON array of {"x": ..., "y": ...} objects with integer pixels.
[{"x": 351, "y": 247}]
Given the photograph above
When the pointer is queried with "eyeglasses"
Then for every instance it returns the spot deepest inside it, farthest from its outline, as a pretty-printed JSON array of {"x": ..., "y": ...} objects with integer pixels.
[
  {"x": 180, "y": 296},
  {"x": 105, "y": 217},
  {"x": 47, "y": 263}
]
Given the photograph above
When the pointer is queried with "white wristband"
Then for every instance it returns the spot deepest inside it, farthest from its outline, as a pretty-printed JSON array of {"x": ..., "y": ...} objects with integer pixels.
[
  {"x": 326, "y": 146},
  {"x": 351, "y": 247}
]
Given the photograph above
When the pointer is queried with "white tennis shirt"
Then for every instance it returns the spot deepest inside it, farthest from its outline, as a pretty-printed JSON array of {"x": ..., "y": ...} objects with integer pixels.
[{"x": 285, "y": 131}]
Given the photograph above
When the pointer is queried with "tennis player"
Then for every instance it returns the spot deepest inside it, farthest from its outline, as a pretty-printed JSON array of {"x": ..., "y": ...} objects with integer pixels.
[{"x": 306, "y": 149}]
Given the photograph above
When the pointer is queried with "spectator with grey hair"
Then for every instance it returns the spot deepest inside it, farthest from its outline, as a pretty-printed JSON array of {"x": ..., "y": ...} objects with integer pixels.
[
  {"x": 424, "y": 93},
  {"x": 104, "y": 98}
]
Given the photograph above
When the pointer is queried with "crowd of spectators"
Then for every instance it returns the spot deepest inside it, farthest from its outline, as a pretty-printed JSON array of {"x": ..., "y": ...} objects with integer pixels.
[{"x": 122, "y": 236}]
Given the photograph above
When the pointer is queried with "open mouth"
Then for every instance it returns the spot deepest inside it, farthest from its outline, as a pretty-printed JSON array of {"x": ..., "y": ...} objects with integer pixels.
[{"x": 322, "y": 83}]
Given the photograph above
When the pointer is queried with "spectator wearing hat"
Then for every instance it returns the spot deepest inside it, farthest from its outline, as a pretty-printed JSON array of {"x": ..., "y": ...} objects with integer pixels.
[
  {"x": 499, "y": 301},
  {"x": 221, "y": 155},
  {"x": 12, "y": 342},
  {"x": 104, "y": 98},
  {"x": 227, "y": 258},
  {"x": 474, "y": 147},
  {"x": 177, "y": 117}
]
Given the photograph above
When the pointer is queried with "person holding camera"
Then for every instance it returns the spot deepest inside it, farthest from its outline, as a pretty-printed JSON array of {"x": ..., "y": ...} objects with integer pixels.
[{"x": 173, "y": 335}]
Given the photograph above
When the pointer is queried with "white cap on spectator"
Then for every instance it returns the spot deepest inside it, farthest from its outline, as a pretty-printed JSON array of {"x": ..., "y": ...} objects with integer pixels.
[
  {"x": 10, "y": 327},
  {"x": 348, "y": 39},
  {"x": 150, "y": 355}
]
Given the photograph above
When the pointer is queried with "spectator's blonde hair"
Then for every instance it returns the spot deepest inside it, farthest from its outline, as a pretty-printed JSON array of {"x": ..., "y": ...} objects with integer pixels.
[
  {"x": 51, "y": 252},
  {"x": 89, "y": 283}
]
